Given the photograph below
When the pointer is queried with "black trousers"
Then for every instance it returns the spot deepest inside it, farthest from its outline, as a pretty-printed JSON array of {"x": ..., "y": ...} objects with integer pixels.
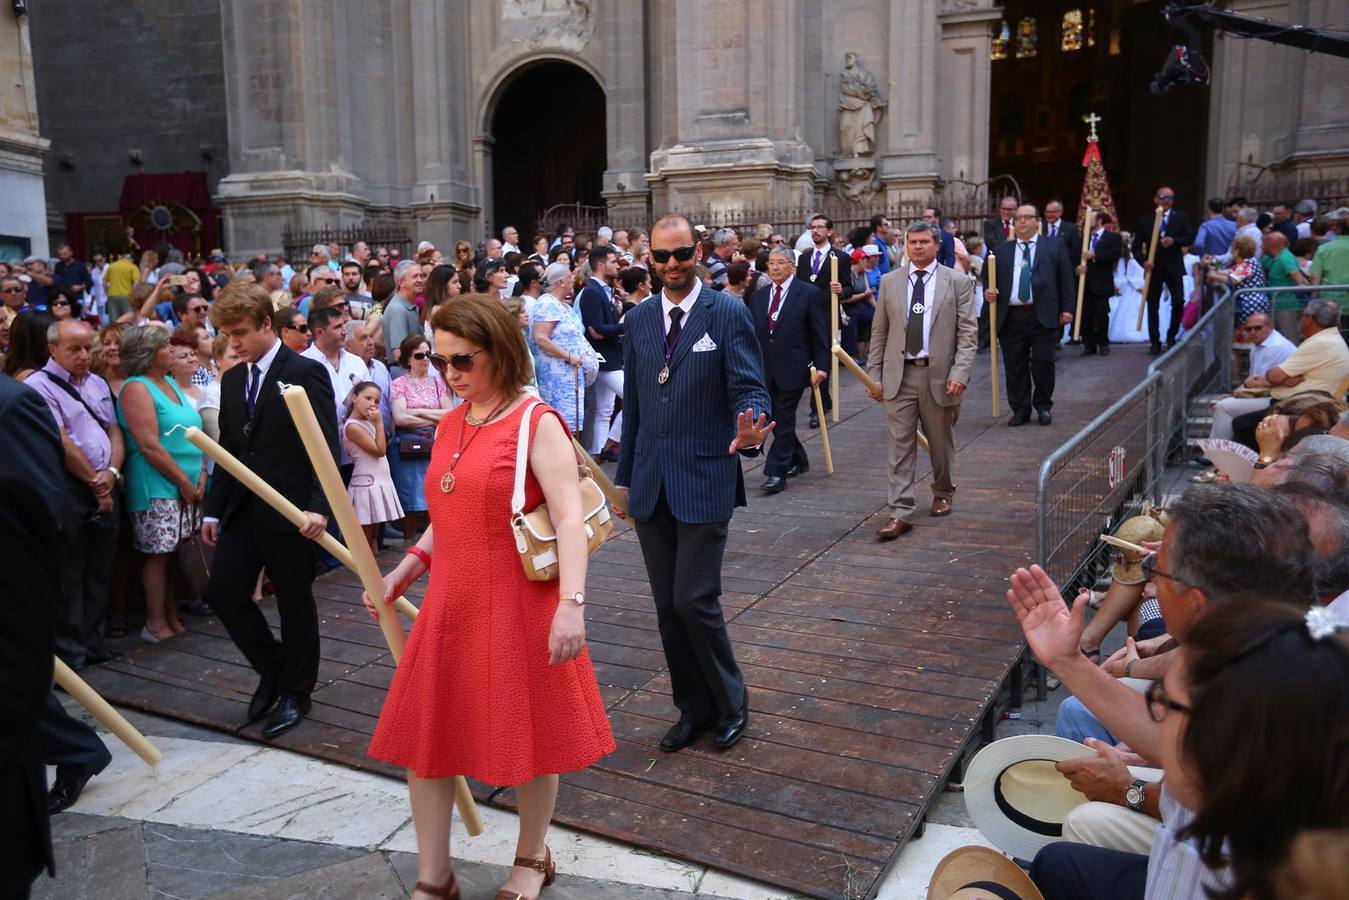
[
  {"x": 1175, "y": 283},
  {"x": 1095, "y": 320},
  {"x": 289, "y": 559},
  {"x": 88, "y": 552},
  {"x": 786, "y": 450},
  {"x": 684, "y": 564},
  {"x": 1068, "y": 871},
  {"x": 1028, "y": 353},
  {"x": 69, "y": 744}
]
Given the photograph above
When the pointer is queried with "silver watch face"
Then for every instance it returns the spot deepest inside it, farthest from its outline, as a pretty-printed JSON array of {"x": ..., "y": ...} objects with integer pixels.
[
  {"x": 1134, "y": 796},
  {"x": 578, "y": 598}
]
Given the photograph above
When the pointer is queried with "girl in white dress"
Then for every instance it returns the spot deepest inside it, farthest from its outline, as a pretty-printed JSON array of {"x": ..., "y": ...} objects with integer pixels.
[{"x": 371, "y": 490}]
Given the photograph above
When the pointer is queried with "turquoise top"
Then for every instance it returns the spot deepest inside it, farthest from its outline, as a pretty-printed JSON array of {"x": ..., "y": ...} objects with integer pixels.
[{"x": 143, "y": 481}]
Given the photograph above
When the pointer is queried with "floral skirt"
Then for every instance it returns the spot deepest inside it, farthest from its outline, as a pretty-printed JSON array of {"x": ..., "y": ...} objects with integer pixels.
[{"x": 165, "y": 525}]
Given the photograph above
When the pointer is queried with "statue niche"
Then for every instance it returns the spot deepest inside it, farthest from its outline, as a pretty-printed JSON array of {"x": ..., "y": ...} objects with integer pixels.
[{"x": 860, "y": 105}]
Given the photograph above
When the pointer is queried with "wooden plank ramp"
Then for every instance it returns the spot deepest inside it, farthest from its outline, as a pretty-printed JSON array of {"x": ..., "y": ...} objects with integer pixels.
[{"x": 870, "y": 665}]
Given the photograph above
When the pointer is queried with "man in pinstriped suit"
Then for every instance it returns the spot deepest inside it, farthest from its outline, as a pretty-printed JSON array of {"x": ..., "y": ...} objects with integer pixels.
[{"x": 694, "y": 383}]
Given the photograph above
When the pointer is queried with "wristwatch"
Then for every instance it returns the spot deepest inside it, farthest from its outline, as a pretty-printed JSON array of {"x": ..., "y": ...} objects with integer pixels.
[
  {"x": 1133, "y": 795},
  {"x": 1263, "y": 461},
  {"x": 116, "y": 473},
  {"x": 578, "y": 598}
]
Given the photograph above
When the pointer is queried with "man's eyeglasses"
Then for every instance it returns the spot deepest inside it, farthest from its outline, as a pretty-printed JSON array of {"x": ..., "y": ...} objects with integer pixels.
[
  {"x": 1159, "y": 703},
  {"x": 1149, "y": 566},
  {"x": 681, "y": 254},
  {"x": 1167, "y": 197},
  {"x": 460, "y": 362},
  {"x": 193, "y": 309}
]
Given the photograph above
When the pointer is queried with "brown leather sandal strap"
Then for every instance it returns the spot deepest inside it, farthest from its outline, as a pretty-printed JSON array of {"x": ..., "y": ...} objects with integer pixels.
[
  {"x": 449, "y": 890},
  {"x": 538, "y": 865}
]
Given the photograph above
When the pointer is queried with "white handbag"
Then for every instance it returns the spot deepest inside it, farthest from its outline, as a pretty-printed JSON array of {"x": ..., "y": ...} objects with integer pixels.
[{"x": 535, "y": 537}]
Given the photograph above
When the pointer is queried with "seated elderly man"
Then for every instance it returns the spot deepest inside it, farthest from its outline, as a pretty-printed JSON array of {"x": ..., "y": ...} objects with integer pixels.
[
  {"x": 1224, "y": 544},
  {"x": 1269, "y": 349},
  {"x": 1320, "y": 364}
]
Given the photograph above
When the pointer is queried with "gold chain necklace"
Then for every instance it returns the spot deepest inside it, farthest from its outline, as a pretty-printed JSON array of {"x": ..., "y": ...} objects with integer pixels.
[{"x": 447, "y": 480}]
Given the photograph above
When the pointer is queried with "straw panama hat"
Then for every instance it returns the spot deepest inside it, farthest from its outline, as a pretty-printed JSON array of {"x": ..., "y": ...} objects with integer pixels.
[
  {"x": 1015, "y": 795},
  {"x": 978, "y": 873}
]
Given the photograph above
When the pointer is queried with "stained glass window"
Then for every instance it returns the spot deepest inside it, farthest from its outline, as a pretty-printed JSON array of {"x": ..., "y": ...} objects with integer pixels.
[
  {"x": 1071, "y": 37},
  {"x": 1091, "y": 27},
  {"x": 1027, "y": 35},
  {"x": 1002, "y": 41}
]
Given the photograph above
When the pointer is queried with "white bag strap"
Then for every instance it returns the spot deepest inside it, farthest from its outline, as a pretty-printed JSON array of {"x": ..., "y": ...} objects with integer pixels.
[{"x": 522, "y": 461}]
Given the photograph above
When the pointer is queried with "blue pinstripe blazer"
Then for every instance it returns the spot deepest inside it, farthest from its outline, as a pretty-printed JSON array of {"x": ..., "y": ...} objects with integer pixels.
[{"x": 675, "y": 434}]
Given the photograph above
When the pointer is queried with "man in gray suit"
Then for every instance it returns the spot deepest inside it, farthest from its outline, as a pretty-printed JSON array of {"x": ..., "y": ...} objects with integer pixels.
[
  {"x": 923, "y": 341},
  {"x": 693, "y": 385}
]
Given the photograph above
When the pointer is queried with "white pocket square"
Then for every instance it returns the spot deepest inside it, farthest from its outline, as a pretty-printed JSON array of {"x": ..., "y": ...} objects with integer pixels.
[{"x": 704, "y": 344}]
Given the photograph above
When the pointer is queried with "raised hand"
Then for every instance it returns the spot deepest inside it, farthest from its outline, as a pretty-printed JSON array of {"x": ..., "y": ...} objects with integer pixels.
[
  {"x": 1052, "y": 630},
  {"x": 750, "y": 432}
]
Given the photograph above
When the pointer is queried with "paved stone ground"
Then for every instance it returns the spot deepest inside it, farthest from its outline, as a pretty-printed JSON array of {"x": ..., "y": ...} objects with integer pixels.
[{"x": 115, "y": 856}]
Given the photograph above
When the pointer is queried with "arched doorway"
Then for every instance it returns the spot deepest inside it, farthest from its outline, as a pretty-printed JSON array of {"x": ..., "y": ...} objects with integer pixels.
[
  {"x": 548, "y": 147},
  {"x": 1054, "y": 61}
]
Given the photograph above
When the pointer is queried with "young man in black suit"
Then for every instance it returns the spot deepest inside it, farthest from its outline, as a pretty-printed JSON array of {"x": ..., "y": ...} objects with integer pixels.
[
  {"x": 1036, "y": 296},
  {"x": 793, "y": 332},
  {"x": 997, "y": 231},
  {"x": 249, "y": 535},
  {"x": 812, "y": 267},
  {"x": 1169, "y": 266},
  {"x": 1102, "y": 254}
]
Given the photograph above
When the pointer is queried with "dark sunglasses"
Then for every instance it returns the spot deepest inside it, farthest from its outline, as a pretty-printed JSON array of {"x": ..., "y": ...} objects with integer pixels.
[
  {"x": 201, "y": 308},
  {"x": 60, "y": 303},
  {"x": 302, "y": 328},
  {"x": 681, "y": 254},
  {"x": 12, "y": 290},
  {"x": 460, "y": 362},
  {"x": 1166, "y": 196},
  {"x": 420, "y": 354}
]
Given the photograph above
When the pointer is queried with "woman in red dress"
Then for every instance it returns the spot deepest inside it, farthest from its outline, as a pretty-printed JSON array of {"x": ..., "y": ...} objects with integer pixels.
[{"x": 496, "y": 682}]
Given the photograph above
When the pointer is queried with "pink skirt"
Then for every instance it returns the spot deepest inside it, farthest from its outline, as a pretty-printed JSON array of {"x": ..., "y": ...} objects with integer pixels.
[{"x": 375, "y": 500}]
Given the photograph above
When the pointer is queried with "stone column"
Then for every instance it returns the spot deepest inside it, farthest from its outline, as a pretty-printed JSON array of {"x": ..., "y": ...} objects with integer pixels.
[
  {"x": 625, "y": 113},
  {"x": 910, "y": 167},
  {"x": 729, "y": 113},
  {"x": 287, "y": 114},
  {"x": 1321, "y": 141},
  {"x": 965, "y": 71},
  {"x": 22, "y": 148}
]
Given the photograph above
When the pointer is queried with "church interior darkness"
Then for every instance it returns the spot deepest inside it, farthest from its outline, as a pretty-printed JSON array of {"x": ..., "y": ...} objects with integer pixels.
[
  {"x": 548, "y": 144},
  {"x": 1055, "y": 62}
]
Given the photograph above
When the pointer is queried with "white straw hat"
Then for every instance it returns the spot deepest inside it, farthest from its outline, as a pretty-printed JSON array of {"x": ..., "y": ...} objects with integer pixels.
[{"x": 1015, "y": 795}]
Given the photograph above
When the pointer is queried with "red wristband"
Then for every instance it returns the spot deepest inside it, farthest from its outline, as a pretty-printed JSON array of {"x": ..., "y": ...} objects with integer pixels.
[{"x": 421, "y": 554}]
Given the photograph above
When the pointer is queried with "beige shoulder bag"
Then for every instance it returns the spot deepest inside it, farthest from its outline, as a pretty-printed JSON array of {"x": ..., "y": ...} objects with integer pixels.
[{"x": 535, "y": 537}]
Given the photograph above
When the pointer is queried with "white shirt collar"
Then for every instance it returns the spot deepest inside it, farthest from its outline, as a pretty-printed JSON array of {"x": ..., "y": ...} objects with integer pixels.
[
  {"x": 930, "y": 268},
  {"x": 786, "y": 285},
  {"x": 686, "y": 304},
  {"x": 268, "y": 358}
]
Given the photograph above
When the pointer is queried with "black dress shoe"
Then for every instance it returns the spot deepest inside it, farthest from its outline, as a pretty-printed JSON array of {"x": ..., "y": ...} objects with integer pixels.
[
  {"x": 730, "y": 731},
  {"x": 1155, "y": 350},
  {"x": 102, "y": 655},
  {"x": 1045, "y": 417},
  {"x": 682, "y": 734},
  {"x": 65, "y": 791},
  {"x": 1018, "y": 419},
  {"x": 264, "y": 698},
  {"x": 1088, "y": 351},
  {"x": 774, "y": 484},
  {"x": 289, "y": 713},
  {"x": 814, "y": 420},
  {"x": 1105, "y": 351},
  {"x": 798, "y": 469}
]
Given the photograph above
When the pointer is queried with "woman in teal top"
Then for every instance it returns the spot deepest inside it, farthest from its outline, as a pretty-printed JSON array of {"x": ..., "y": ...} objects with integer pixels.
[{"x": 164, "y": 474}]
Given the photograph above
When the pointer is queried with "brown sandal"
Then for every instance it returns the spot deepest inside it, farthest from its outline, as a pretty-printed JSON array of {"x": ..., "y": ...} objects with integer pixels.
[
  {"x": 545, "y": 866},
  {"x": 448, "y": 891}
]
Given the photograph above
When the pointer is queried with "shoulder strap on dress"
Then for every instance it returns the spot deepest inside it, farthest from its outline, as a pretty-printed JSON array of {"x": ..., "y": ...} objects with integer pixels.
[{"x": 522, "y": 459}]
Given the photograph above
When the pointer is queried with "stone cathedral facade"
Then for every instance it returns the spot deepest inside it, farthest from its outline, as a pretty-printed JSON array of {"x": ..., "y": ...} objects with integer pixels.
[{"x": 458, "y": 116}]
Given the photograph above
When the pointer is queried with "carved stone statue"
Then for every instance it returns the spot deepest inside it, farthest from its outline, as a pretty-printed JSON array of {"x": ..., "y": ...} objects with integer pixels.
[
  {"x": 859, "y": 109},
  {"x": 859, "y": 183}
]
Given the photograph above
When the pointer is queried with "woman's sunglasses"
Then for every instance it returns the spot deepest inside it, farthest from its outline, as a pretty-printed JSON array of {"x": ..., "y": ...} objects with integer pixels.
[
  {"x": 302, "y": 328},
  {"x": 681, "y": 254},
  {"x": 460, "y": 362}
]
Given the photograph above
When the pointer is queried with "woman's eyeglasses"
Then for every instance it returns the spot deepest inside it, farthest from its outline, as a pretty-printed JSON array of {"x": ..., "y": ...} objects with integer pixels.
[
  {"x": 420, "y": 355},
  {"x": 460, "y": 362},
  {"x": 302, "y": 328},
  {"x": 60, "y": 303},
  {"x": 681, "y": 254},
  {"x": 1159, "y": 703}
]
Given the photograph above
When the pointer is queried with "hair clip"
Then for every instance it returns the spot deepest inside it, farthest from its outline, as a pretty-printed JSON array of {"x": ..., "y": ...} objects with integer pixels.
[{"x": 1322, "y": 623}]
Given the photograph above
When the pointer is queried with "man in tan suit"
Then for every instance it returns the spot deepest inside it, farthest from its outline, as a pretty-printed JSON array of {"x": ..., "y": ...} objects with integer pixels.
[{"x": 923, "y": 342}]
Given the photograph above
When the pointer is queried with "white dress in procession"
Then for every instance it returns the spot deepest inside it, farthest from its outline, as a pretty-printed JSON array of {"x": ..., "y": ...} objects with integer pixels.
[{"x": 1128, "y": 297}]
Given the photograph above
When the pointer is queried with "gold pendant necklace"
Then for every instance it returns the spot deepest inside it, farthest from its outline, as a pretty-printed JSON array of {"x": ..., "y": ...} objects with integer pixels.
[{"x": 447, "y": 480}]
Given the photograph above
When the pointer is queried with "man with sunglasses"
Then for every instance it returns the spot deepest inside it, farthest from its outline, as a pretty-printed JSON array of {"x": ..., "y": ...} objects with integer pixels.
[
  {"x": 694, "y": 397},
  {"x": 292, "y": 328},
  {"x": 320, "y": 277},
  {"x": 14, "y": 294},
  {"x": 1175, "y": 235}
]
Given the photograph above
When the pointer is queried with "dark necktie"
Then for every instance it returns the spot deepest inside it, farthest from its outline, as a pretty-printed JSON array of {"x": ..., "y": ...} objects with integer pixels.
[
  {"x": 1165, "y": 215},
  {"x": 815, "y": 266},
  {"x": 672, "y": 336},
  {"x": 1054, "y": 230},
  {"x": 254, "y": 383},
  {"x": 913, "y": 344},
  {"x": 1023, "y": 283},
  {"x": 1007, "y": 229},
  {"x": 773, "y": 308},
  {"x": 1094, "y": 238}
]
